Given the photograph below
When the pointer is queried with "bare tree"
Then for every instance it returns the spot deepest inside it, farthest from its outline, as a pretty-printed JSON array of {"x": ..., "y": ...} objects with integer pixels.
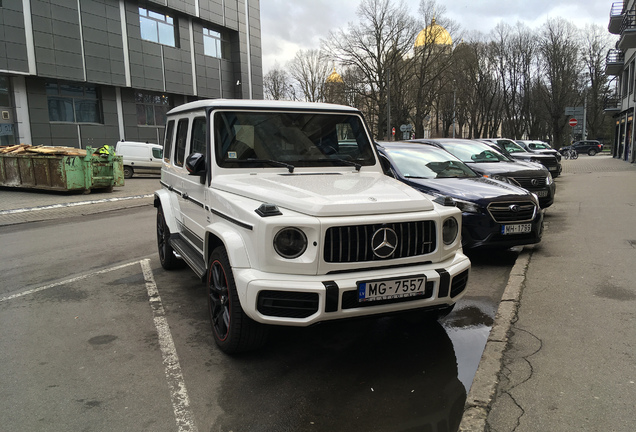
[
  {"x": 374, "y": 48},
  {"x": 560, "y": 73},
  {"x": 432, "y": 69},
  {"x": 594, "y": 46},
  {"x": 310, "y": 69},
  {"x": 276, "y": 84}
]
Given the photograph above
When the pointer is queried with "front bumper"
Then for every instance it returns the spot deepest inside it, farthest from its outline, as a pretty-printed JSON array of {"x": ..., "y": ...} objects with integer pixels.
[{"x": 297, "y": 300}]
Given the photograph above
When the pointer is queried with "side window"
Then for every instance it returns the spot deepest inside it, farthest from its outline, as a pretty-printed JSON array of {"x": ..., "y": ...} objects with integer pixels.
[
  {"x": 156, "y": 153},
  {"x": 167, "y": 146},
  {"x": 197, "y": 140},
  {"x": 180, "y": 145}
]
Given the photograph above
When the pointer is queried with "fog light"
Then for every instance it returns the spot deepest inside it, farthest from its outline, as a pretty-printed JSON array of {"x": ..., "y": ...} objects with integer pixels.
[
  {"x": 449, "y": 231},
  {"x": 290, "y": 242}
]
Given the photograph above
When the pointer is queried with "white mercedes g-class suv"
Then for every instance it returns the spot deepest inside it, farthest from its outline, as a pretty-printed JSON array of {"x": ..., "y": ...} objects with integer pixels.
[{"x": 282, "y": 208}]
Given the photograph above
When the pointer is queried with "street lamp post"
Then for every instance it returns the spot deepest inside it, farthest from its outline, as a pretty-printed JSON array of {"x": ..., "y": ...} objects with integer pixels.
[{"x": 454, "y": 93}]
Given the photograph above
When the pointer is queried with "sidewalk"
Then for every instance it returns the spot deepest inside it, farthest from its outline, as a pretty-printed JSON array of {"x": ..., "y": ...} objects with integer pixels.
[
  {"x": 561, "y": 355},
  {"x": 22, "y": 205}
]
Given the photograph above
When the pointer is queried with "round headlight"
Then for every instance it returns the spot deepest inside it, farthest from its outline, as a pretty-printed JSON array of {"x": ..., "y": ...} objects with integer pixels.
[
  {"x": 449, "y": 231},
  {"x": 290, "y": 242}
]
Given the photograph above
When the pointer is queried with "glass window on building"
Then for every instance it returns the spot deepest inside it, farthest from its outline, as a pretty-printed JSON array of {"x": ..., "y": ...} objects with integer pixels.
[
  {"x": 73, "y": 103},
  {"x": 152, "y": 108},
  {"x": 213, "y": 44},
  {"x": 157, "y": 27}
]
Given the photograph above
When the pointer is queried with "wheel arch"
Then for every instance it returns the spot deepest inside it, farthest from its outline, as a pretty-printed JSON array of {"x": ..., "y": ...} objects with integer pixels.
[
  {"x": 222, "y": 235},
  {"x": 162, "y": 199}
]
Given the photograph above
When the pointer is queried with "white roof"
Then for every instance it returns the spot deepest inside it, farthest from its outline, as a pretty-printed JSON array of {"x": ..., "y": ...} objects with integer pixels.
[{"x": 249, "y": 103}]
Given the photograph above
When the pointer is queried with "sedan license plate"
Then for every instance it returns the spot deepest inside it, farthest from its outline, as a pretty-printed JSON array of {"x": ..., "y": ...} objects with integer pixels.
[
  {"x": 388, "y": 289},
  {"x": 516, "y": 229}
]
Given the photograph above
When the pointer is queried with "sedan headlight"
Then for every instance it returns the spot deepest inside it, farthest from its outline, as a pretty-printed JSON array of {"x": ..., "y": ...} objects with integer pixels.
[
  {"x": 467, "y": 206},
  {"x": 500, "y": 178},
  {"x": 449, "y": 231},
  {"x": 290, "y": 242},
  {"x": 548, "y": 179}
]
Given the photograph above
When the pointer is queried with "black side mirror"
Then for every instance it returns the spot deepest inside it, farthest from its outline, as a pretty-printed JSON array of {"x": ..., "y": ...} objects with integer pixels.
[{"x": 195, "y": 164}]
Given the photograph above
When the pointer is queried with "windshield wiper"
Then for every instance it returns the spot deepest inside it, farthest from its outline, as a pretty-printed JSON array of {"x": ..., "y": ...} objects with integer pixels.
[
  {"x": 269, "y": 161},
  {"x": 416, "y": 177},
  {"x": 342, "y": 161}
]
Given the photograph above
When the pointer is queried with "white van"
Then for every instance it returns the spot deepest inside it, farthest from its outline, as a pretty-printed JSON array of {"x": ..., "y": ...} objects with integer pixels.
[{"x": 140, "y": 158}]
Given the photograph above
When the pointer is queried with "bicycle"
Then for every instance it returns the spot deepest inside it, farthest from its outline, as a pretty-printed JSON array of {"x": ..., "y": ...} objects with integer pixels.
[{"x": 570, "y": 154}]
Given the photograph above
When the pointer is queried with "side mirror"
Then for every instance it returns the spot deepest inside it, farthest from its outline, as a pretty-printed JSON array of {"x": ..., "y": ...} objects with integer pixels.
[{"x": 195, "y": 164}]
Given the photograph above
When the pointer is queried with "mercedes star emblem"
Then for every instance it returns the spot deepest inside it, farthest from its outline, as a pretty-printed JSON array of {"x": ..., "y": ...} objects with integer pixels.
[{"x": 384, "y": 242}]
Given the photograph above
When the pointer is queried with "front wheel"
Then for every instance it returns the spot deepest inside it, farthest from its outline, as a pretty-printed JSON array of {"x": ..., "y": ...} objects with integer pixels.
[
  {"x": 233, "y": 330},
  {"x": 168, "y": 259},
  {"x": 574, "y": 155},
  {"x": 592, "y": 152}
]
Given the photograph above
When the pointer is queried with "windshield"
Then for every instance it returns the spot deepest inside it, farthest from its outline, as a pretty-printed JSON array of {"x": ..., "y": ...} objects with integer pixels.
[
  {"x": 511, "y": 146},
  {"x": 427, "y": 163},
  {"x": 474, "y": 152},
  {"x": 539, "y": 146},
  {"x": 258, "y": 138}
]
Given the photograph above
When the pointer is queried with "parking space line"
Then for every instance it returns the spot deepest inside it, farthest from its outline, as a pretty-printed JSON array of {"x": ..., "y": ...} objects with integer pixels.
[
  {"x": 178, "y": 392},
  {"x": 66, "y": 281}
]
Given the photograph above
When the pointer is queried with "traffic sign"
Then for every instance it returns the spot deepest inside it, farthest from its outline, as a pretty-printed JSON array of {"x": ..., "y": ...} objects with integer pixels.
[
  {"x": 573, "y": 122},
  {"x": 393, "y": 131}
]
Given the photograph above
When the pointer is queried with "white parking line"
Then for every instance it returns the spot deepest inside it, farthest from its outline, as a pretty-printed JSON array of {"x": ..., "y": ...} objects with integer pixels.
[
  {"x": 67, "y": 281},
  {"x": 178, "y": 392}
]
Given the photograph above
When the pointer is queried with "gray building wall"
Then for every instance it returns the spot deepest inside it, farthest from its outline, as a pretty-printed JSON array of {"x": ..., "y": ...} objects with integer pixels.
[{"x": 86, "y": 42}]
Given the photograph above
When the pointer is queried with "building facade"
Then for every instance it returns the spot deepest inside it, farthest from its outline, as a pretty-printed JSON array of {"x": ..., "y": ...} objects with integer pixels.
[
  {"x": 621, "y": 65},
  {"x": 83, "y": 73}
]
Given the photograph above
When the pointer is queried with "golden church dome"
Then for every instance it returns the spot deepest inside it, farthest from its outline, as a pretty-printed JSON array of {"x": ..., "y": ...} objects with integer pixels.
[
  {"x": 433, "y": 34},
  {"x": 334, "y": 77}
]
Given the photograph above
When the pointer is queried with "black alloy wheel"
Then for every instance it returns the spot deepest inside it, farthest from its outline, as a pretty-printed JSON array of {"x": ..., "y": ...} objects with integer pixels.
[
  {"x": 168, "y": 259},
  {"x": 233, "y": 330}
]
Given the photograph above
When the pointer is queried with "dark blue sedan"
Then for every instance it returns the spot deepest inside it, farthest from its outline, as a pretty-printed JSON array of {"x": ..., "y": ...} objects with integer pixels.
[{"x": 495, "y": 214}]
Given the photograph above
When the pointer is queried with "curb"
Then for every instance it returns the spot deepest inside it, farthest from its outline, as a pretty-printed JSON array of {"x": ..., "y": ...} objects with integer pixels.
[{"x": 484, "y": 386}]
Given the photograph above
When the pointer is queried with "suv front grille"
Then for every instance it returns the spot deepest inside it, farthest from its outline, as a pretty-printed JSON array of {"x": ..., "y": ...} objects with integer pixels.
[
  {"x": 509, "y": 212},
  {"x": 354, "y": 243},
  {"x": 529, "y": 182}
]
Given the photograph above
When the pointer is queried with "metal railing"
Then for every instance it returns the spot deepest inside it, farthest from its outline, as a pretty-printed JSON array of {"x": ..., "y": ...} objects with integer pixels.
[
  {"x": 617, "y": 9},
  {"x": 629, "y": 21},
  {"x": 615, "y": 56}
]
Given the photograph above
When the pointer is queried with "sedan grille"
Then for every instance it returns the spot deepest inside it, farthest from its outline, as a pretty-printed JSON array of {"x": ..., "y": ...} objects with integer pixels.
[
  {"x": 529, "y": 182},
  {"x": 356, "y": 243},
  {"x": 510, "y": 212}
]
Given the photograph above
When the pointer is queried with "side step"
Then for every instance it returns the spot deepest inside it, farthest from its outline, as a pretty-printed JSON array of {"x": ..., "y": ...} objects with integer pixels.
[{"x": 189, "y": 254}]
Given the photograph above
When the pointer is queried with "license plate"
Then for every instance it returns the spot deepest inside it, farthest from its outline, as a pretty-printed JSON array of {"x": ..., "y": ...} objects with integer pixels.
[
  {"x": 387, "y": 289},
  {"x": 553, "y": 168},
  {"x": 516, "y": 229},
  {"x": 542, "y": 194}
]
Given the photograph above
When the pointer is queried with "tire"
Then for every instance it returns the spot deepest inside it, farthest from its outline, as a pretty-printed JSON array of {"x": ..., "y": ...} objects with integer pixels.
[
  {"x": 592, "y": 152},
  {"x": 168, "y": 259},
  {"x": 128, "y": 172},
  {"x": 575, "y": 155},
  {"x": 566, "y": 155},
  {"x": 233, "y": 330}
]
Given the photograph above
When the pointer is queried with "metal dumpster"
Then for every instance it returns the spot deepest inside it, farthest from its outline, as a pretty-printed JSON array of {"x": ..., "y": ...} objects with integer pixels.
[{"x": 49, "y": 168}]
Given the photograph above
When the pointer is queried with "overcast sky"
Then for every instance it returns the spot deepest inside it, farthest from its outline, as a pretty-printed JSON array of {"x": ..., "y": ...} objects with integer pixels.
[{"x": 290, "y": 25}]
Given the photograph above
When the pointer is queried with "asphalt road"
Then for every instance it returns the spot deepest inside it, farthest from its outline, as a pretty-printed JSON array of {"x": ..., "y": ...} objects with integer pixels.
[{"x": 97, "y": 336}]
